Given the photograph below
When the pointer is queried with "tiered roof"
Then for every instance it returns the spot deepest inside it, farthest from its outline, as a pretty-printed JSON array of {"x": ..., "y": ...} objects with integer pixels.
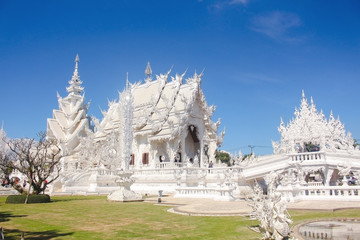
[
  {"x": 162, "y": 106},
  {"x": 70, "y": 122}
]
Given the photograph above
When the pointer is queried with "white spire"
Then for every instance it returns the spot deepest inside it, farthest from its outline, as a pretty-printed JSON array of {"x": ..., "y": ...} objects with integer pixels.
[
  {"x": 2, "y": 136},
  {"x": 75, "y": 82},
  {"x": 76, "y": 61},
  {"x": 127, "y": 81},
  {"x": 76, "y": 73},
  {"x": 148, "y": 72}
]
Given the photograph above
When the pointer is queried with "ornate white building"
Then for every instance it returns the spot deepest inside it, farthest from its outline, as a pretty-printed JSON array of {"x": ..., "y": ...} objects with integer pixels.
[
  {"x": 315, "y": 157},
  {"x": 161, "y": 129},
  {"x": 159, "y": 123},
  {"x": 310, "y": 131}
]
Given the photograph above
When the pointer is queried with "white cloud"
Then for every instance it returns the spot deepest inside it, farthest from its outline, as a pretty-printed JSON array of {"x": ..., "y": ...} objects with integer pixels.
[
  {"x": 233, "y": 2},
  {"x": 219, "y": 5},
  {"x": 276, "y": 25}
]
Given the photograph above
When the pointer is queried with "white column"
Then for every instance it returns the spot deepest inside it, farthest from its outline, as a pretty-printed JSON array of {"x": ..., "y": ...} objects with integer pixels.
[
  {"x": 202, "y": 154},
  {"x": 182, "y": 151}
]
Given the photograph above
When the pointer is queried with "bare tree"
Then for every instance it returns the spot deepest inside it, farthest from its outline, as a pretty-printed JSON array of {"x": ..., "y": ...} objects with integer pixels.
[
  {"x": 5, "y": 169},
  {"x": 38, "y": 161}
]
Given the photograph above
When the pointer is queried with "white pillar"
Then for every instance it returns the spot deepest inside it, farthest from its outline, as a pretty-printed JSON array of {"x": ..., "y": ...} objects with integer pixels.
[
  {"x": 201, "y": 157},
  {"x": 182, "y": 151}
]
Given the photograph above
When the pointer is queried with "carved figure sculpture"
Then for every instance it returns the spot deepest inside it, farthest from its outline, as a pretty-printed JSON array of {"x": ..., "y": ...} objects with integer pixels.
[{"x": 270, "y": 210}]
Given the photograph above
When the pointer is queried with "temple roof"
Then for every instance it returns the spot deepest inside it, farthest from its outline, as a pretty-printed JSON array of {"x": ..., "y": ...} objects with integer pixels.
[
  {"x": 161, "y": 106},
  {"x": 70, "y": 121}
]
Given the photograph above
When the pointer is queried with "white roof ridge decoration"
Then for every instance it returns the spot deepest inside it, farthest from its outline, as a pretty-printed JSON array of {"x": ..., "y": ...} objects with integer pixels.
[
  {"x": 170, "y": 106},
  {"x": 148, "y": 73},
  {"x": 143, "y": 121},
  {"x": 311, "y": 127}
]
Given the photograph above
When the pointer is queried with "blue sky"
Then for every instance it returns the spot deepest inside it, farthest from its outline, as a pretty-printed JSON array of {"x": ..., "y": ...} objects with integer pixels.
[{"x": 257, "y": 56}]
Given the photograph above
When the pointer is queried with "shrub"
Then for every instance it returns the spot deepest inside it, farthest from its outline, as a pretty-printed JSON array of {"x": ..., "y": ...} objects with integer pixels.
[{"x": 32, "y": 199}]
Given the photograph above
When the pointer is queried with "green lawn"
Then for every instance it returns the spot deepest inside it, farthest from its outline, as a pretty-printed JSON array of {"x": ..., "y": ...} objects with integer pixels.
[{"x": 96, "y": 218}]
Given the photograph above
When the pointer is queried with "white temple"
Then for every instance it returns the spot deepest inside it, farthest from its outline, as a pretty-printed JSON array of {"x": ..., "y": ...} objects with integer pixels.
[
  {"x": 316, "y": 158},
  {"x": 161, "y": 130},
  {"x": 159, "y": 124}
]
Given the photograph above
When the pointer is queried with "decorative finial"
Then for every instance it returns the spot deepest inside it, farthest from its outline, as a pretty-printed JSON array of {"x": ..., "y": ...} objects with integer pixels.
[
  {"x": 303, "y": 94},
  {"x": 75, "y": 82},
  {"x": 170, "y": 70},
  {"x": 202, "y": 72},
  {"x": 148, "y": 72},
  {"x": 77, "y": 60},
  {"x": 76, "y": 73}
]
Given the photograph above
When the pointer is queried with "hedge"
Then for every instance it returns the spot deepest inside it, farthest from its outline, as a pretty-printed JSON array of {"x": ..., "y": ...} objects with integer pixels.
[{"x": 32, "y": 199}]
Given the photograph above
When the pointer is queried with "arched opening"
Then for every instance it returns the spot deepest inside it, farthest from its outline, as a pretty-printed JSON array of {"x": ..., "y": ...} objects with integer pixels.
[{"x": 192, "y": 145}]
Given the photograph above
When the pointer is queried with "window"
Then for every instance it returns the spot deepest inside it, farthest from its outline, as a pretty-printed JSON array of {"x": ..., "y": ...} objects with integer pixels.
[
  {"x": 145, "y": 158},
  {"x": 132, "y": 159}
]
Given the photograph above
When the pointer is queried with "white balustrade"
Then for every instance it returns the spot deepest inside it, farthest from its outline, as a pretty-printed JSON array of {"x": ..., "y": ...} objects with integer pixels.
[
  {"x": 349, "y": 193},
  {"x": 179, "y": 164},
  {"x": 163, "y": 165},
  {"x": 315, "y": 184},
  {"x": 305, "y": 156}
]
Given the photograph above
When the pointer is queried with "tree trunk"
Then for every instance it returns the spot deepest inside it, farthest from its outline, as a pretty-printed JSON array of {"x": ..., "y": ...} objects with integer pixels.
[{"x": 28, "y": 193}]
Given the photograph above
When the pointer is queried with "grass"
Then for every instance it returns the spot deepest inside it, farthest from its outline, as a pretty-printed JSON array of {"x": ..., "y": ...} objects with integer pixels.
[{"x": 96, "y": 218}]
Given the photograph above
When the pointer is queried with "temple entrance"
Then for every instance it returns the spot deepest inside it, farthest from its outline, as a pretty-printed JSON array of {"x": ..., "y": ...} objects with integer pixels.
[{"x": 192, "y": 146}]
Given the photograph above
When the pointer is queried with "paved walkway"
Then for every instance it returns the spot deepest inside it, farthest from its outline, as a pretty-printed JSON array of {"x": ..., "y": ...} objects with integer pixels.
[
  {"x": 203, "y": 207},
  {"x": 209, "y": 207},
  {"x": 323, "y": 205}
]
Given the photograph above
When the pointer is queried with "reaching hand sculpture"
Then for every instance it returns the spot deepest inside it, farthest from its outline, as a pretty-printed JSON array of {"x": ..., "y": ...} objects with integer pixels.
[
  {"x": 270, "y": 210},
  {"x": 344, "y": 169}
]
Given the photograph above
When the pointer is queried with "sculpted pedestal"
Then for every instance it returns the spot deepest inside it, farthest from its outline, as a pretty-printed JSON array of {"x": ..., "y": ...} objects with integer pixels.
[{"x": 124, "y": 194}]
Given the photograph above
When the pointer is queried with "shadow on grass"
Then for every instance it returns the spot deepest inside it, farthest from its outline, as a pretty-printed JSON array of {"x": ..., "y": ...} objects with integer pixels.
[
  {"x": 12, "y": 234},
  {"x": 74, "y": 198},
  {"x": 5, "y": 216}
]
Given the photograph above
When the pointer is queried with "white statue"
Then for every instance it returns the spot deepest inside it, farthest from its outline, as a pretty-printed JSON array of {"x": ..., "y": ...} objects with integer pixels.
[
  {"x": 344, "y": 169},
  {"x": 201, "y": 174},
  {"x": 270, "y": 210}
]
